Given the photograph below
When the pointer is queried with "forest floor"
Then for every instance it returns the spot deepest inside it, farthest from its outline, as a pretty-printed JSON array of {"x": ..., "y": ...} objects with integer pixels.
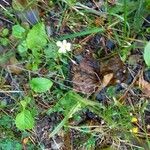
[{"x": 74, "y": 74}]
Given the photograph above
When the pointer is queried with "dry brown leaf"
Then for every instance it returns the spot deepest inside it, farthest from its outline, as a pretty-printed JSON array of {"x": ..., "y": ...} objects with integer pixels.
[
  {"x": 116, "y": 66},
  {"x": 84, "y": 76},
  {"x": 12, "y": 66},
  {"x": 106, "y": 79},
  {"x": 145, "y": 86}
]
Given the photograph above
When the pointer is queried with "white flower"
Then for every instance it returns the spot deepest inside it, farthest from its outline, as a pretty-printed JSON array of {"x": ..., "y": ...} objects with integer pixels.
[{"x": 64, "y": 46}]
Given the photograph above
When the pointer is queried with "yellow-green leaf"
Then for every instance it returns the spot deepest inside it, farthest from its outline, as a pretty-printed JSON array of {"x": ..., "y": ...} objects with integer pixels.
[
  {"x": 24, "y": 120},
  {"x": 40, "y": 84},
  {"x": 147, "y": 54}
]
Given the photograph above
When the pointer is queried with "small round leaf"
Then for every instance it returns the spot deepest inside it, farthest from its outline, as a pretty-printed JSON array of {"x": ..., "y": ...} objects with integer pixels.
[{"x": 40, "y": 84}]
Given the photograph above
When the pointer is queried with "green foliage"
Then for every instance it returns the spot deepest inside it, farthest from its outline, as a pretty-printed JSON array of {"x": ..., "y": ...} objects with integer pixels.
[
  {"x": 118, "y": 116},
  {"x": 122, "y": 22},
  {"x": 37, "y": 37},
  {"x": 10, "y": 144},
  {"x": 69, "y": 105},
  {"x": 147, "y": 54},
  {"x": 40, "y": 84},
  {"x": 5, "y": 32},
  {"x": 3, "y": 103},
  {"x": 18, "y": 31},
  {"x": 147, "y": 3},
  {"x": 4, "y": 41},
  {"x": 70, "y": 2},
  {"x": 51, "y": 52},
  {"x": 82, "y": 33},
  {"x": 140, "y": 13},
  {"x": 22, "y": 48},
  {"x": 111, "y": 91},
  {"x": 90, "y": 143},
  {"x": 6, "y": 121},
  {"x": 119, "y": 7},
  {"x": 17, "y": 6},
  {"x": 69, "y": 100},
  {"x": 24, "y": 120}
]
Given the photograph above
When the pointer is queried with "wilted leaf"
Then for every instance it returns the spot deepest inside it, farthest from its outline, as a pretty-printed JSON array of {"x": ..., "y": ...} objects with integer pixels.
[
  {"x": 145, "y": 86},
  {"x": 24, "y": 120},
  {"x": 37, "y": 38},
  {"x": 84, "y": 77},
  {"x": 13, "y": 66},
  {"x": 147, "y": 54},
  {"x": 40, "y": 84},
  {"x": 107, "y": 79}
]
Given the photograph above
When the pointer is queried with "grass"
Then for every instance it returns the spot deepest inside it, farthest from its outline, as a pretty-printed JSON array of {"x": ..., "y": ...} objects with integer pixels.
[{"x": 59, "y": 102}]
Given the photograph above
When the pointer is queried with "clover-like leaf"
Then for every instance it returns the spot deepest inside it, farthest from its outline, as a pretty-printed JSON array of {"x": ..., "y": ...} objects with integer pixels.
[
  {"x": 24, "y": 120},
  {"x": 40, "y": 84},
  {"x": 147, "y": 54}
]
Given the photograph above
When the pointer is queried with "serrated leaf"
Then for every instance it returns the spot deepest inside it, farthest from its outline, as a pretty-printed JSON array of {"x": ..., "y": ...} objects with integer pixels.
[
  {"x": 37, "y": 38},
  {"x": 40, "y": 84},
  {"x": 24, "y": 120},
  {"x": 147, "y": 54},
  {"x": 18, "y": 31}
]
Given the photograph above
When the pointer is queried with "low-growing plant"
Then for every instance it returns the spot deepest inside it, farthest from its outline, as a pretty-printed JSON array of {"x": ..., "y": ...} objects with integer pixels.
[{"x": 24, "y": 119}]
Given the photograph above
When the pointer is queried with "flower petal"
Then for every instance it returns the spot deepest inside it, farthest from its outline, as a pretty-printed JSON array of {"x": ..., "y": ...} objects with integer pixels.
[
  {"x": 64, "y": 42},
  {"x": 62, "y": 50},
  {"x": 68, "y": 46},
  {"x": 59, "y": 44}
]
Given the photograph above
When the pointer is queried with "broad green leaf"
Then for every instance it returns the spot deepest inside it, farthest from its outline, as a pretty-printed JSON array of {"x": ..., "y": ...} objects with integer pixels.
[
  {"x": 40, "y": 84},
  {"x": 18, "y": 31},
  {"x": 24, "y": 120},
  {"x": 37, "y": 38},
  {"x": 147, "y": 54}
]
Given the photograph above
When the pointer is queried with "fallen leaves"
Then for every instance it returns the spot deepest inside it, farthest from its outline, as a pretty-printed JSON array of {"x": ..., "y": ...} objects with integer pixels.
[
  {"x": 12, "y": 66},
  {"x": 106, "y": 79},
  {"x": 84, "y": 77},
  {"x": 144, "y": 85}
]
